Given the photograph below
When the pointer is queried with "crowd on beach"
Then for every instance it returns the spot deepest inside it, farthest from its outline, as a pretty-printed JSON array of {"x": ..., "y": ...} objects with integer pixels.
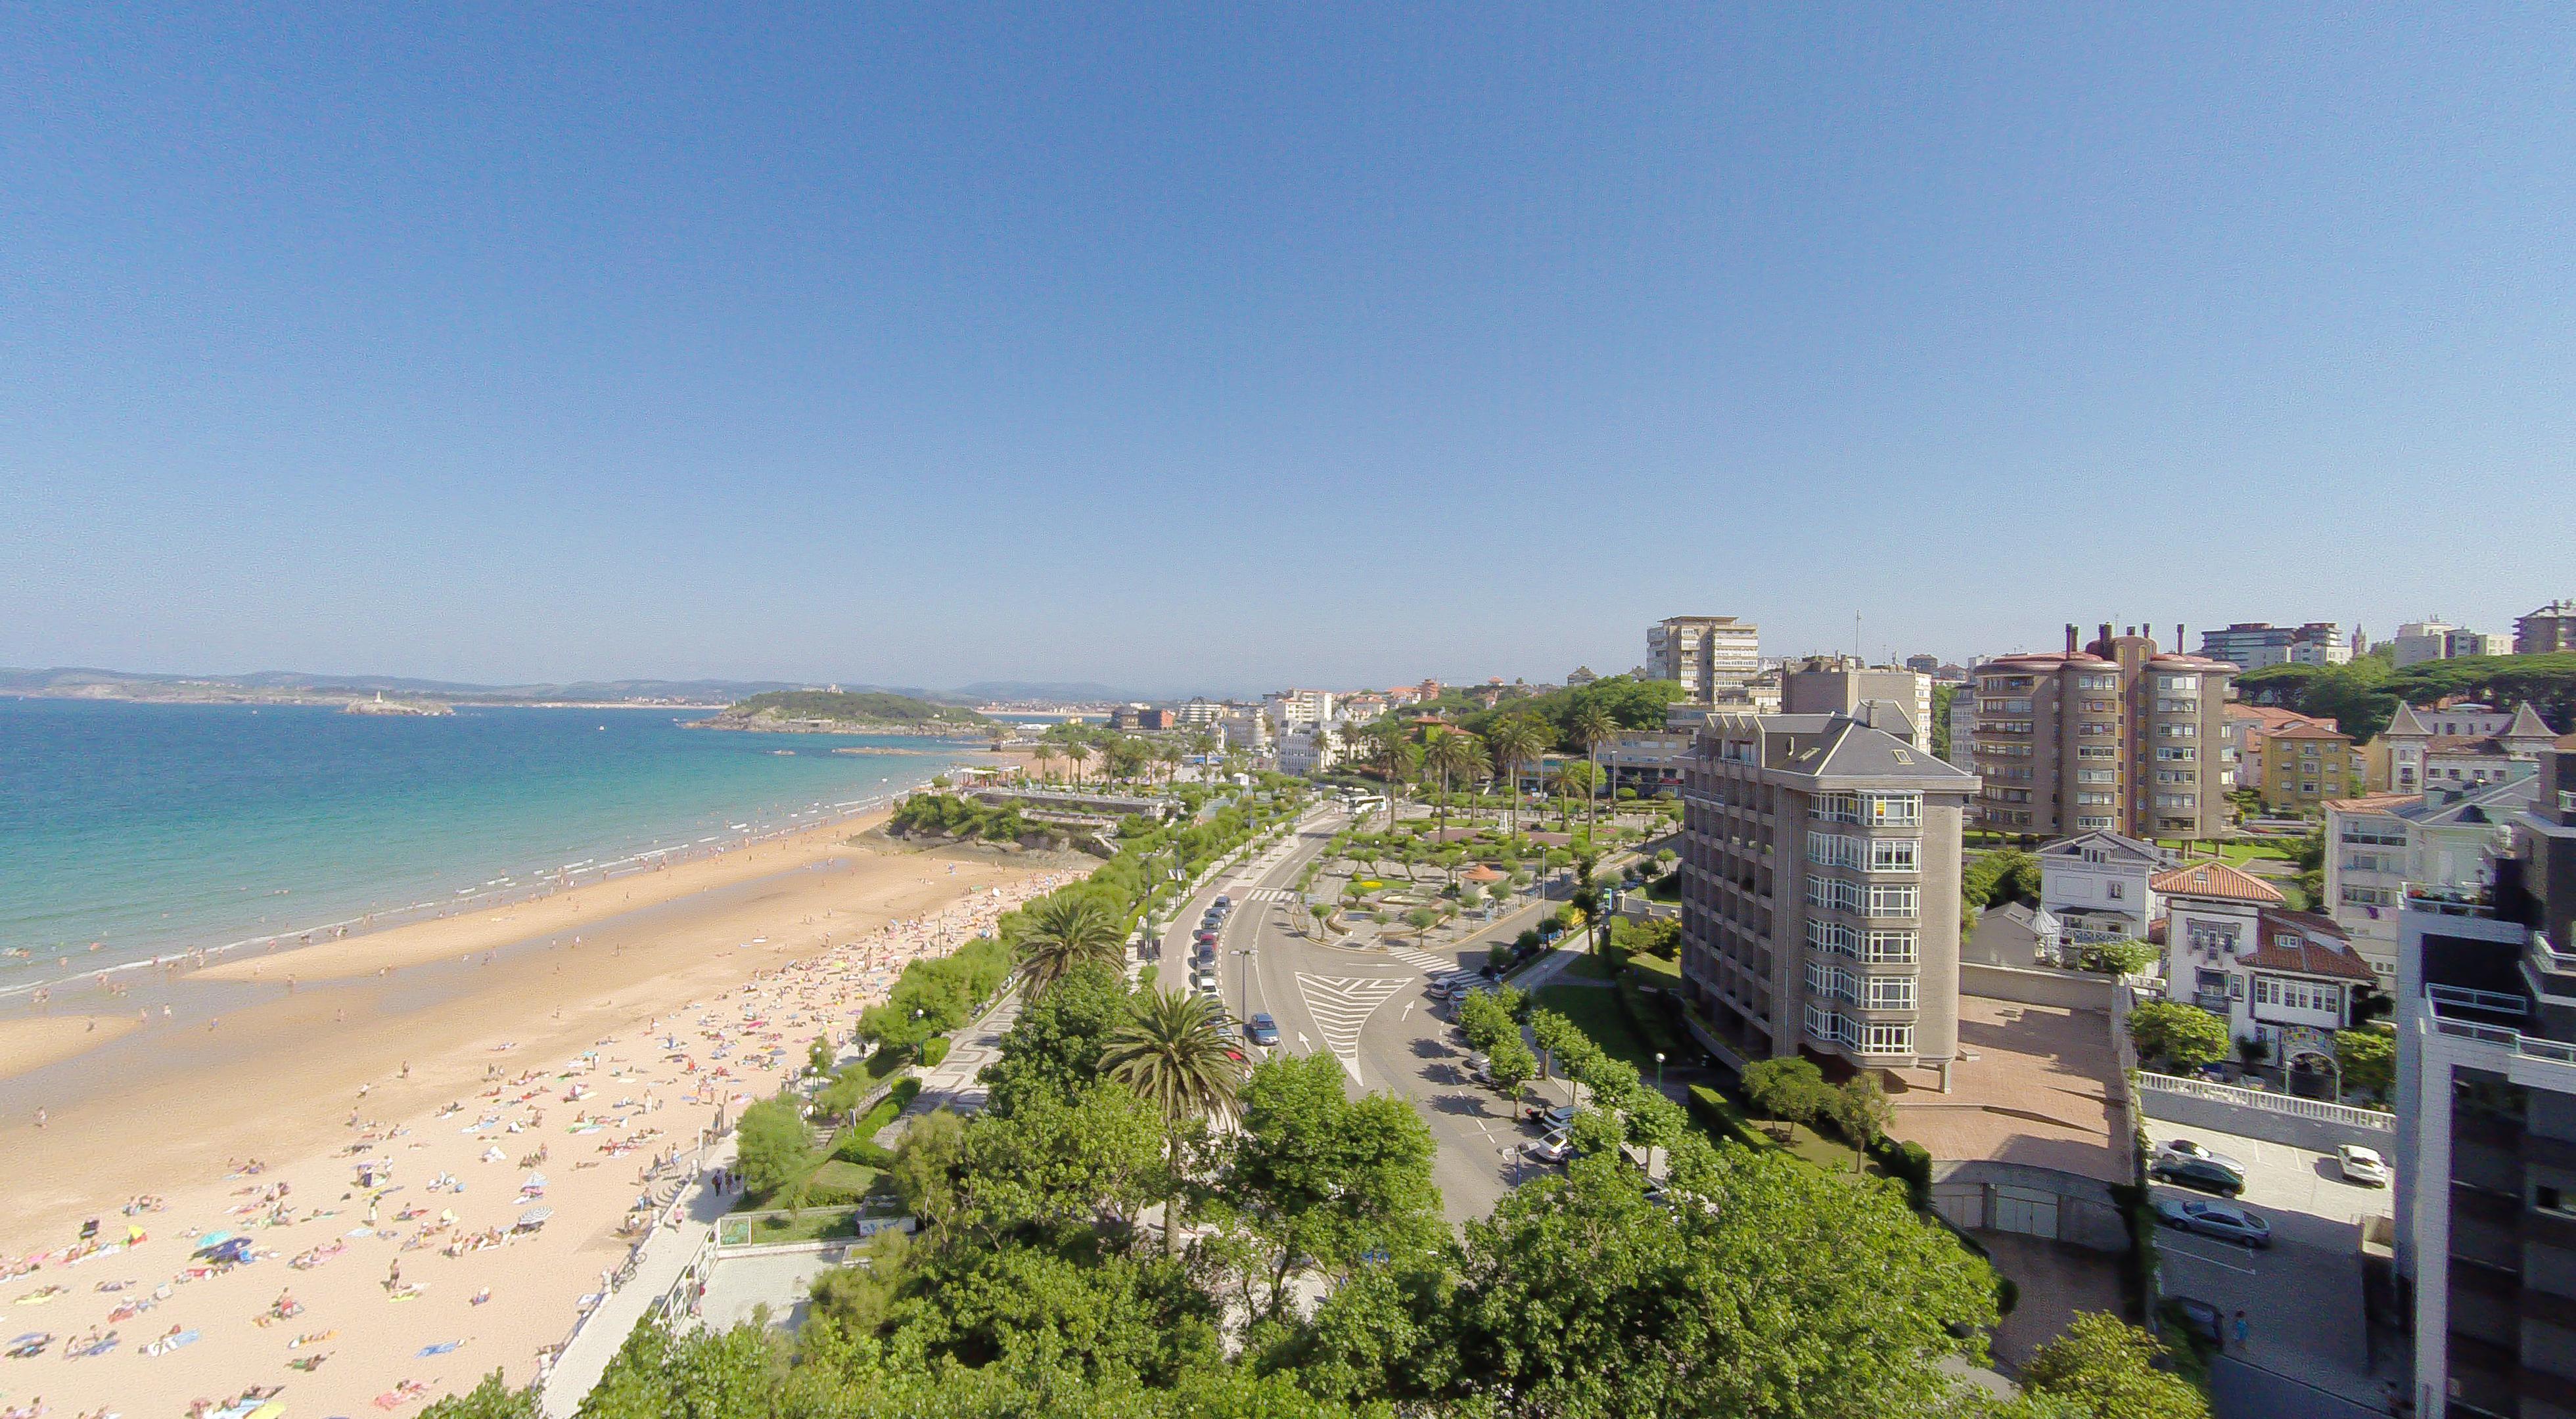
[{"x": 460, "y": 1208}]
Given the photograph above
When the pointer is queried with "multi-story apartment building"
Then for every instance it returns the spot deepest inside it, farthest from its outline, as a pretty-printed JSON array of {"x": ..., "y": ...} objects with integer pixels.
[
  {"x": 1820, "y": 890},
  {"x": 1963, "y": 725},
  {"x": 2246, "y": 726},
  {"x": 1836, "y": 684},
  {"x": 2118, "y": 736},
  {"x": 1708, "y": 655},
  {"x": 2455, "y": 746},
  {"x": 2252, "y": 645},
  {"x": 1297, "y": 709},
  {"x": 1200, "y": 711},
  {"x": 2304, "y": 765},
  {"x": 2486, "y": 1122},
  {"x": 2443, "y": 837},
  {"x": 2546, "y": 631},
  {"x": 2420, "y": 641}
]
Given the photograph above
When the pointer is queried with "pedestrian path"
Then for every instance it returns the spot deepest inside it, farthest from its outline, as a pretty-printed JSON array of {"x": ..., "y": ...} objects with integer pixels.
[
  {"x": 1439, "y": 968},
  {"x": 1341, "y": 1005}
]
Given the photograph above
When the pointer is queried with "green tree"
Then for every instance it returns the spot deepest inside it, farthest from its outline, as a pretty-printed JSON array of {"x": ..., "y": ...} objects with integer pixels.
[
  {"x": 1791, "y": 1088},
  {"x": 1581, "y": 1298},
  {"x": 925, "y": 1167},
  {"x": 1513, "y": 741},
  {"x": 1094, "y": 1161},
  {"x": 1860, "y": 1110},
  {"x": 1510, "y": 1064},
  {"x": 2118, "y": 958},
  {"x": 1572, "y": 779},
  {"x": 1588, "y": 729},
  {"x": 1175, "y": 1055},
  {"x": 1066, "y": 931},
  {"x": 2184, "y": 1034},
  {"x": 491, "y": 1399},
  {"x": 1316, "y": 1182},
  {"x": 773, "y": 1150},
  {"x": 2103, "y": 1369},
  {"x": 2368, "y": 1057},
  {"x": 1053, "y": 1049},
  {"x": 1453, "y": 755},
  {"x": 819, "y": 1056},
  {"x": 1397, "y": 759}
]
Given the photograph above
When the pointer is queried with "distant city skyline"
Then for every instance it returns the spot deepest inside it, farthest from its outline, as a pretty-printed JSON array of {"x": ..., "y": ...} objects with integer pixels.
[{"x": 1166, "y": 347}]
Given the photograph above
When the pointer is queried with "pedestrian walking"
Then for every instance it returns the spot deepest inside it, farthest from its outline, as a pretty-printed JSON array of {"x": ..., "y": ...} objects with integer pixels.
[{"x": 2244, "y": 1329}]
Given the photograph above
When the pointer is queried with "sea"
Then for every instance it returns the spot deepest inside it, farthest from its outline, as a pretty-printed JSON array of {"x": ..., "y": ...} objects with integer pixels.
[{"x": 130, "y": 832}]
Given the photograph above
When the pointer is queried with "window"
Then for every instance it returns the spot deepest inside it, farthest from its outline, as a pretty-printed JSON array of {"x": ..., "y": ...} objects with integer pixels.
[
  {"x": 1893, "y": 901},
  {"x": 1898, "y": 810},
  {"x": 1893, "y": 854},
  {"x": 2179, "y": 731},
  {"x": 1834, "y": 893},
  {"x": 2176, "y": 706},
  {"x": 1829, "y": 850},
  {"x": 1891, "y": 948},
  {"x": 2097, "y": 727},
  {"x": 2203, "y": 936},
  {"x": 2097, "y": 682},
  {"x": 2116, "y": 890},
  {"x": 2094, "y": 798},
  {"x": 2092, "y": 822},
  {"x": 2178, "y": 682},
  {"x": 2097, "y": 751},
  {"x": 2297, "y": 994},
  {"x": 1824, "y": 1025},
  {"x": 1836, "y": 807},
  {"x": 1890, "y": 993},
  {"x": 2175, "y": 776},
  {"x": 2097, "y": 775},
  {"x": 2550, "y": 1199},
  {"x": 2003, "y": 706},
  {"x": 2177, "y": 800},
  {"x": 2176, "y": 756},
  {"x": 2100, "y": 706},
  {"x": 1885, "y": 1039},
  {"x": 1833, "y": 936}
]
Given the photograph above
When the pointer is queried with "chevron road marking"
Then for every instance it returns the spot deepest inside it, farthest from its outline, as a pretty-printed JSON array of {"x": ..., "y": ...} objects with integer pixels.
[{"x": 1340, "y": 1005}]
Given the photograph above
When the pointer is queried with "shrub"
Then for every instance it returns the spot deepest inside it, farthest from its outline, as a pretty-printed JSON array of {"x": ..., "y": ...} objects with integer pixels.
[
  {"x": 1719, "y": 1115},
  {"x": 862, "y": 1149},
  {"x": 1792, "y": 1089},
  {"x": 934, "y": 1050},
  {"x": 2184, "y": 1034}
]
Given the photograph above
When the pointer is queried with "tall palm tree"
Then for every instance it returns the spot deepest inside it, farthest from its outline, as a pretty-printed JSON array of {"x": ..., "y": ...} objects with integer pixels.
[
  {"x": 1397, "y": 758},
  {"x": 1176, "y": 1055},
  {"x": 1075, "y": 751},
  {"x": 1512, "y": 743},
  {"x": 1451, "y": 753},
  {"x": 1045, "y": 755},
  {"x": 1589, "y": 727},
  {"x": 1169, "y": 755},
  {"x": 1567, "y": 781},
  {"x": 1066, "y": 932}
]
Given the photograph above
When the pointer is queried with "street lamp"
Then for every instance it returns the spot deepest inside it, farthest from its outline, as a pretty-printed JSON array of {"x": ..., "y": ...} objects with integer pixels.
[
  {"x": 1243, "y": 983},
  {"x": 1659, "y": 1071}
]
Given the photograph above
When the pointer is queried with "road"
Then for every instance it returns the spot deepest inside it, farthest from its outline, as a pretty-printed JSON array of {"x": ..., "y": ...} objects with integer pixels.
[{"x": 1363, "y": 1003}]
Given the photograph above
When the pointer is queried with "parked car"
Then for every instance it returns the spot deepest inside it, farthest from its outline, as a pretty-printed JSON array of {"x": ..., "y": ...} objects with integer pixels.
[
  {"x": 1555, "y": 1148},
  {"x": 2198, "y": 1316},
  {"x": 1265, "y": 1031},
  {"x": 2362, "y": 1165},
  {"x": 2188, "y": 1148},
  {"x": 1224, "y": 901},
  {"x": 2216, "y": 1219},
  {"x": 1203, "y": 936},
  {"x": 2206, "y": 1174},
  {"x": 1480, "y": 1069},
  {"x": 1550, "y": 1118}
]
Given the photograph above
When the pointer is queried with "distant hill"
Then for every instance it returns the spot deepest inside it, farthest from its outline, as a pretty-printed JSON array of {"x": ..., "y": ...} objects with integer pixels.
[
  {"x": 296, "y": 685},
  {"x": 830, "y": 711}
]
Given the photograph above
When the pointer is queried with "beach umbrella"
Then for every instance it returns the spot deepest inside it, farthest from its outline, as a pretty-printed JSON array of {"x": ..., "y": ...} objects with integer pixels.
[{"x": 535, "y": 1216}]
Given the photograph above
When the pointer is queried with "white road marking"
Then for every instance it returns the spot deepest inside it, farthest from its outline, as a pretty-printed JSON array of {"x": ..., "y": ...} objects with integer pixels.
[
  {"x": 1408, "y": 1013},
  {"x": 1340, "y": 1005}
]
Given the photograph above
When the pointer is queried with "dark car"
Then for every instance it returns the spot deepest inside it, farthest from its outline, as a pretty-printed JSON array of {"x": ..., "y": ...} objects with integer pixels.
[
  {"x": 2205, "y": 1174},
  {"x": 2196, "y": 1316},
  {"x": 1264, "y": 1030},
  {"x": 1222, "y": 900}
]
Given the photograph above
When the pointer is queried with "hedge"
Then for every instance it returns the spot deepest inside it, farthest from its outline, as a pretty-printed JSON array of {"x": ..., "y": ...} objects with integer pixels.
[
  {"x": 934, "y": 1050},
  {"x": 1719, "y": 1115}
]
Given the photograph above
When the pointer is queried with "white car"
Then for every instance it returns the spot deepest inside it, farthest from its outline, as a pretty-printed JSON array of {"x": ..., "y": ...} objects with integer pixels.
[
  {"x": 2362, "y": 1165},
  {"x": 1555, "y": 1148}
]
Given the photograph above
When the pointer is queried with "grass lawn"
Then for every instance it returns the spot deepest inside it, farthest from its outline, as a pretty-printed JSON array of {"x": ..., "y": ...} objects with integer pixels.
[
  {"x": 1592, "y": 966},
  {"x": 814, "y": 1224},
  {"x": 1596, "y": 1012},
  {"x": 1655, "y": 970}
]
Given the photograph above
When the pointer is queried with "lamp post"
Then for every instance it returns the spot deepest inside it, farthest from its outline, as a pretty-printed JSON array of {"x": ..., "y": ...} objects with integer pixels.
[
  {"x": 1243, "y": 983},
  {"x": 1659, "y": 1071}
]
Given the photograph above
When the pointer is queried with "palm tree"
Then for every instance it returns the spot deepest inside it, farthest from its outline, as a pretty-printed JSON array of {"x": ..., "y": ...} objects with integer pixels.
[
  {"x": 1514, "y": 742},
  {"x": 1075, "y": 751},
  {"x": 1585, "y": 731},
  {"x": 1451, "y": 752},
  {"x": 1568, "y": 780},
  {"x": 1045, "y": 755},
  {"x": 1066, "y": 932},
  {"x": 1396, "y": 757},
  {"x": 1169, "y": 755},
  {"x": 1175, "y": 1054}
]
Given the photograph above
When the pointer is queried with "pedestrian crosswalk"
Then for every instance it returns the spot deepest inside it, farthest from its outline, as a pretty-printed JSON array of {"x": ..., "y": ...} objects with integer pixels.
[
  {"x": 1439, "y": 968},
  {"x": 1274, "y": 894},
  {"x": 1340, "y": 1005}
]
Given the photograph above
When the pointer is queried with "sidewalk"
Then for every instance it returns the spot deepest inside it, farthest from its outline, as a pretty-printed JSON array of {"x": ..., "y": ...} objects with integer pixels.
[{"x": 658, "y": 1267}]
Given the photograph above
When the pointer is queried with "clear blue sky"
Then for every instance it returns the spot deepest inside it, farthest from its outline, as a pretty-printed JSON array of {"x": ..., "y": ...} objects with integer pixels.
[{"x": 1222, "y": 347}]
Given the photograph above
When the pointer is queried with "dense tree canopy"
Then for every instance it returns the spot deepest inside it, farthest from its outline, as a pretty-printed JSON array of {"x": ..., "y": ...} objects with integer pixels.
[{"x": 2362, "y": 696}]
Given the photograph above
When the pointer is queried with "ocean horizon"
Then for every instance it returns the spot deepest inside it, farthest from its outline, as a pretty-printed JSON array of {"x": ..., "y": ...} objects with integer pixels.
[{"x": 133, "y": 831}]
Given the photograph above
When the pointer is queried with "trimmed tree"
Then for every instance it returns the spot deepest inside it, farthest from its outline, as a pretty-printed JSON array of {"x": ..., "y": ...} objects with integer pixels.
[{"x": 2183, "y": 1034}]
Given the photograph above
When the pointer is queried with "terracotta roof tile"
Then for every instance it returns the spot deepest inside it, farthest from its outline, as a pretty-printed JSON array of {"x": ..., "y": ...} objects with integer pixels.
[
  {"x": 2308, "y": 729},
  {"x": 2216, "y": 879}
]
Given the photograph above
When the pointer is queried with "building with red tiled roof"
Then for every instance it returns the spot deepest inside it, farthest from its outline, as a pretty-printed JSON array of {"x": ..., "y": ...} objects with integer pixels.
[
  {"x": 2115, "y": 736},
  {"x": 2286, "y": 980},
  {"x": 2218, "y": 880}
]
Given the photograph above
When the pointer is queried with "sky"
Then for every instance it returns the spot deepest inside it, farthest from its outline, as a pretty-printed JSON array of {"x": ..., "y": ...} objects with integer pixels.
[{"x": 1214, "y": 348}]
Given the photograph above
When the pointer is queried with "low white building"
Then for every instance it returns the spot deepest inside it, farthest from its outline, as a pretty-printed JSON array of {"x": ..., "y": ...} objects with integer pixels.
[
  {"x": 2287, "y": 979},
  {"x": 2100, "y": 886},
  {"x": 2443, "y": 838},
  {"x": 1307, "y": 751}
]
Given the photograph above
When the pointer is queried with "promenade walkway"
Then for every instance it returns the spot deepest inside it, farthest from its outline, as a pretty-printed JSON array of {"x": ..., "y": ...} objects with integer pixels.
[{"x": 658, "y": 1266}]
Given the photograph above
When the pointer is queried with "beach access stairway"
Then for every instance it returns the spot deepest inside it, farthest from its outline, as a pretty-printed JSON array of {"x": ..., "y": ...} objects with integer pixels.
[{"x": 682, "y": 1239}]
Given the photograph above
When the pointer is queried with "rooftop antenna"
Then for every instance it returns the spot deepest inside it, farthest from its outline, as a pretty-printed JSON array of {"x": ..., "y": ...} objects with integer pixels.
[{"x": 1857, "y": 658}]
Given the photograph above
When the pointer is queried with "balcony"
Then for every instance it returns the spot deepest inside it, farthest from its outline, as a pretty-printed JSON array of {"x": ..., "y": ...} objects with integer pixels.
[{"x": 2472, "y": 900}]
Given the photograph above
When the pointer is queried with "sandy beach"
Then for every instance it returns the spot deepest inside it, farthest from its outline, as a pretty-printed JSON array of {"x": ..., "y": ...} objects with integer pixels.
[{"x": 580, "y": 1037}]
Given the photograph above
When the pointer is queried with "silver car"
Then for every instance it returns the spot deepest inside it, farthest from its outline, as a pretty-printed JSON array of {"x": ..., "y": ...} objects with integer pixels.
[{"x": 2226, "y": 1222}]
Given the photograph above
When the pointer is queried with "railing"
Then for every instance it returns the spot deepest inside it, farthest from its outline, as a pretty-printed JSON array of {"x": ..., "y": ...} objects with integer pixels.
[
  {"x": 2449, "y": 901},
  {"x": 2494, "y": 1002},
  {"x": 2268, "y": 1101},
  {"x": 2555, "y": 1051}
]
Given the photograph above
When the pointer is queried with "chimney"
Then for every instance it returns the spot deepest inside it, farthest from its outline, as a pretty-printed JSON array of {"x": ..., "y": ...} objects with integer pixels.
[
  {"x": 2070, "y": 639},
  {"x": 2103, "y": 646},
  {"x": 2178, "y": 641}
]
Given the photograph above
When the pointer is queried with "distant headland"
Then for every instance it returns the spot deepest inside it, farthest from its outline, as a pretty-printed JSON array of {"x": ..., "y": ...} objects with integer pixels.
[{"x": 847, "y": 712}]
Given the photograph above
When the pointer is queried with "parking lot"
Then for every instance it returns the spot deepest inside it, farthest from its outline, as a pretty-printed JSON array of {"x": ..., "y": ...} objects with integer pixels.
[{"x": 2302, "y": 1298}]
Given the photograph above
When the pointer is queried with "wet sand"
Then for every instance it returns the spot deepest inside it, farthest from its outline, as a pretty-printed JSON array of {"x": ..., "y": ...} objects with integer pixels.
[{"x": 34, "y": 1043}]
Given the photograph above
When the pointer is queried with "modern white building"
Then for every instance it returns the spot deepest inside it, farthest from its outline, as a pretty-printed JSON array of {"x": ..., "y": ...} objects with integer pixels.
[
  {"x": 1307, "y": 750},
  {"x": 1708, "y": 655},
  {"x": 2252, "y": 645},
  {"x": 2445, "y": 839},
  {"x": 2420, "y": 641},
  {"x": 2100, "y": 886}
]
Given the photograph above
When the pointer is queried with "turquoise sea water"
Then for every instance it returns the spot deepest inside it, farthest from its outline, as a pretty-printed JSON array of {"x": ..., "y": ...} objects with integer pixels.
[{"x": 153, "y": 828}]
